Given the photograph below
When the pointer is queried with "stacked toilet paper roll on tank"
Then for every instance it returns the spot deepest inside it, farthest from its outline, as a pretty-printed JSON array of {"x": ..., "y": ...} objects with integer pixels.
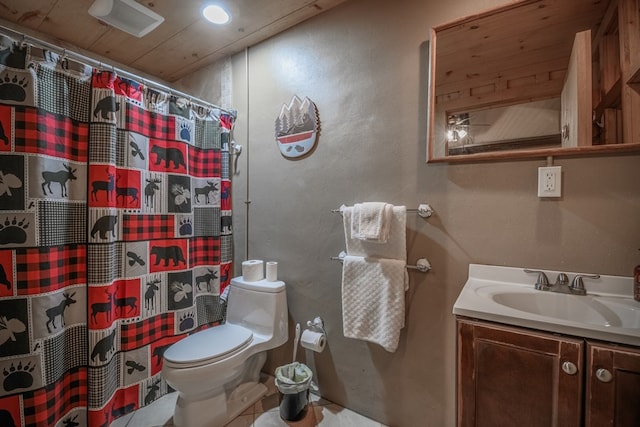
[
  {"x": 252, "y": 270},
  {"x": 272, "y": 271}
]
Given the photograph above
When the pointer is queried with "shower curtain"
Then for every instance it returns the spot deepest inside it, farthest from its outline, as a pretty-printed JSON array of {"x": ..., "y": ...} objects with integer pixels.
[{"x": 115, "y": 236}]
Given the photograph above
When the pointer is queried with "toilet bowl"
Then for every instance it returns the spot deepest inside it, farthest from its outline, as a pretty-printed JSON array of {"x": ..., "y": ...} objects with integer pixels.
[{"x": 216, "y": 371}]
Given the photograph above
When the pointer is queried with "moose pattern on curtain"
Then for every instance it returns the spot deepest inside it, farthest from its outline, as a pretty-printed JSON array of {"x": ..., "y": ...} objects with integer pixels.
[
  {"x": 44, "y": 135},
  {"x": 115, "y": 237},
  {"x": 158, "y": 190}
]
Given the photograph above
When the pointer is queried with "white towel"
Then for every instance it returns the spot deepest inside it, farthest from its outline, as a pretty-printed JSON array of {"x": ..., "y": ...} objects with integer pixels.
[
  {"x": 394, "y": 248},
  {"x": 373, "y": 299},
  {"x": 370, "y": 221}
]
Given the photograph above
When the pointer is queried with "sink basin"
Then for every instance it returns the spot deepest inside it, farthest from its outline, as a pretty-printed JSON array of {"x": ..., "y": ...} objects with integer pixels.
[
  {"x": 581, "y": 309},
  {"x": 507, "y": 295}
]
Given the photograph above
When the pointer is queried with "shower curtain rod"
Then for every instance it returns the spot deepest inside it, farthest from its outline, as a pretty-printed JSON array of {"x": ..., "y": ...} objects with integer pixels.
[{"x": 101, "y": 65}]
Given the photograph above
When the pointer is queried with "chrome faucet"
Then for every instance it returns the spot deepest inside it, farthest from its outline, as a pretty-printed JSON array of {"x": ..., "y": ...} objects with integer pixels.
[
  {"x": 562, "y": 283},
  {"x": 562, "y": 280},
  {"x": 542, "y": 283},
  {"x": 577, "y": 285}
]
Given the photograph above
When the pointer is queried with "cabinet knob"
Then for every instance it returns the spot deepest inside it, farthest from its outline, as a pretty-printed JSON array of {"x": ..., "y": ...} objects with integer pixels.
[
  {"x": 604, "y": 375},
  {"x": 569, "y": 368}
]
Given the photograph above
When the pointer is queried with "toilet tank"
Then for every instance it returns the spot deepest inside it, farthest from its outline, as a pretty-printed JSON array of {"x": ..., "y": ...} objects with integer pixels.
[{"x": 260, "y": 306}]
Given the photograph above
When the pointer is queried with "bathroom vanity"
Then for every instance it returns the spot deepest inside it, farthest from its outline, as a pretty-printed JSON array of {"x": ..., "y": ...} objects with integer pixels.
[
  {"x": 528, "y": 357},
  {"x": 517, "y": 376}
]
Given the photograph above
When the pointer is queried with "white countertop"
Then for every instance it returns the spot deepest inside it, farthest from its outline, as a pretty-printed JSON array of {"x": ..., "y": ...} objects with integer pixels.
[{"x": 507, "y": 295}]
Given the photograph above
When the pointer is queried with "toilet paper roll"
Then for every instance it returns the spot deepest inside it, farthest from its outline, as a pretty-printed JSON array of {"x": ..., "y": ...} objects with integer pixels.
[
  {"x": 313, "y": 340},
  {"x": 252, "y": 270},
  {"x": 272, "y": 271}
]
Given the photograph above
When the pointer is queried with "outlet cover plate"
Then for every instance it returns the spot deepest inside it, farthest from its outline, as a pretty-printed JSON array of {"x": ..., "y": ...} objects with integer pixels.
[{"x": 550, "y": 181}]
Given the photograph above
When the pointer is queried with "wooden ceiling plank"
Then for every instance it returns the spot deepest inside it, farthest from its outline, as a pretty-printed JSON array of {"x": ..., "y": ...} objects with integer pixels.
[
  {"x": 533, "y": 92},
  {"x": 475, "y": 50},
  {"x": 180, "y": 45},
  {"x": 225, "y": 45},
  {"x": 499, "y": 42},
  {"x": 494, "y": 75},
  {"x": 126, "y": 48},
  {"x": 28, "y": 13},
  {"x": 70, "y": 21}
]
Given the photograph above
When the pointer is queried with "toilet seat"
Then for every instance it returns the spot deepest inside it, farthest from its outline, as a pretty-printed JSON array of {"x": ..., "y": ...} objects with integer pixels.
[{"x": 208, "y": 346}]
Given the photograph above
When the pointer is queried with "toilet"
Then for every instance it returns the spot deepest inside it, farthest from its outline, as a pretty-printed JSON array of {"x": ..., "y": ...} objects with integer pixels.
[{"x": 216, "y": 371}]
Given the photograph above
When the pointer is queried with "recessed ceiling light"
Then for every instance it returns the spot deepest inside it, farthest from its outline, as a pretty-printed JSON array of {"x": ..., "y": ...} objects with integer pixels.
[{"x": 216, "y": 14}]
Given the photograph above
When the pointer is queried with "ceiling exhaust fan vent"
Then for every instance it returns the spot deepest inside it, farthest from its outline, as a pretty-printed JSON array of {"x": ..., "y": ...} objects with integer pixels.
[{"x": 126, "y": 15}]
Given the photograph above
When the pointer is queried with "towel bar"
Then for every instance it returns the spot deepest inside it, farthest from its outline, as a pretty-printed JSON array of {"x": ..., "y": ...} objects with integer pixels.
[
  {"x": 424, "y": 210},
  {"x": 422, "y": 265}
]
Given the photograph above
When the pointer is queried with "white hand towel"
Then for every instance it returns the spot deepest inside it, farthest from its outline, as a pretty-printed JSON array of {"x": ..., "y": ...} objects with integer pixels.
[
  {"x": 370, "y": 221},
  {"x": 373, "y": 300},
  {"x": 394, "y": 248}
]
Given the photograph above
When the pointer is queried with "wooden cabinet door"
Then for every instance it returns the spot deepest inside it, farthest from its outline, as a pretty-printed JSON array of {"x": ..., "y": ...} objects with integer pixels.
[
  {"x": 576, "y": 94},
  {"x": 514, "y": 377},
  {"x": 613, "y": 386},
  {"x": 629, "y": 19}
]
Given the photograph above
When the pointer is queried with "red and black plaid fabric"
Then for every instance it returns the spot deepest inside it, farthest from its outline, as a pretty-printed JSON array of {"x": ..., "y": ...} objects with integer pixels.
[
  {"x": 45, "y": 269},
  {"x": 204, "y": 251},
  {"x": 148, "y": 123},
  {"x": 45, "y": 406},
  {"x": 204, "y": 163},
  {"x": 150, "y": 232},
  {"x": 38, "y": 131},
  {"x": 134, "y": 295},
  {"x": 145, "y": 332},
  {"x": 147, "y": 227}
]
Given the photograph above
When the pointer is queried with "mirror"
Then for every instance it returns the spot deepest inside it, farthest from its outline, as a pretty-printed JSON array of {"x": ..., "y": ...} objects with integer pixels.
[
  {"x": 526, "y": 125},
  {"x": 535, "y": 78}
]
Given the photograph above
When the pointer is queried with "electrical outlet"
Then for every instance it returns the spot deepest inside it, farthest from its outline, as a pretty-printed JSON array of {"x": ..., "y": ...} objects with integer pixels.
[{"x": 550, "y": 181}]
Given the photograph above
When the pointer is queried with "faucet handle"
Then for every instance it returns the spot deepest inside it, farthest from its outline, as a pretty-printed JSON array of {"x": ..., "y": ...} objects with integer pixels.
[
  {"x": 542, "y": 281},
  {"x": 562, "y": 279},
  {"x": 578, "y": 285}
]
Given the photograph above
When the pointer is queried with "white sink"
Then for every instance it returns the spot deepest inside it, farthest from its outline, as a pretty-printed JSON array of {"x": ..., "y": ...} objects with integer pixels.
[{"x": 507, "y": 295}]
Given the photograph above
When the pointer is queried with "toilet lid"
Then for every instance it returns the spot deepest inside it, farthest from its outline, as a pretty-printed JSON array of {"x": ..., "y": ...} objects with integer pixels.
[{"x": 212, "y": 343}]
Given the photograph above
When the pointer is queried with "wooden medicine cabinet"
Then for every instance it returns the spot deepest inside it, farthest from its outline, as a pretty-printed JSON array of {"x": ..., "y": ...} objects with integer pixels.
[{"x": 536, "y": 78}]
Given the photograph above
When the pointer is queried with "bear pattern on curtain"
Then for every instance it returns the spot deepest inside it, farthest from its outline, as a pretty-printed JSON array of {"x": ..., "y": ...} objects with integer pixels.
[
  {"x": 44, "y": 136},
  {"x": 157, "y": 252},
  {"x": 115, "y": 236}
]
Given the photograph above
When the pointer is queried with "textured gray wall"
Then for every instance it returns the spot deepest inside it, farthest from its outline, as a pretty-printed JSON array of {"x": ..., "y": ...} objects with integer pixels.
[{"x": 364, "y": 64}]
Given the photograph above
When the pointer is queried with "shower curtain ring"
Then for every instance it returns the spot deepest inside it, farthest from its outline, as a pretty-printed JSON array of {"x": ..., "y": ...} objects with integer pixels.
[{"x": 62, "y": 61}]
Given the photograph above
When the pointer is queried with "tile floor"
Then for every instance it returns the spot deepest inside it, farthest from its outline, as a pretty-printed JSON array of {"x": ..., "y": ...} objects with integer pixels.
[{"x": 264, "y": 413}]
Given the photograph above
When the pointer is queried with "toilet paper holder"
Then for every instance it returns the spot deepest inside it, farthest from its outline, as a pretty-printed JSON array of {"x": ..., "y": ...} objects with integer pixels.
[{"x": 317, "y": 324}]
